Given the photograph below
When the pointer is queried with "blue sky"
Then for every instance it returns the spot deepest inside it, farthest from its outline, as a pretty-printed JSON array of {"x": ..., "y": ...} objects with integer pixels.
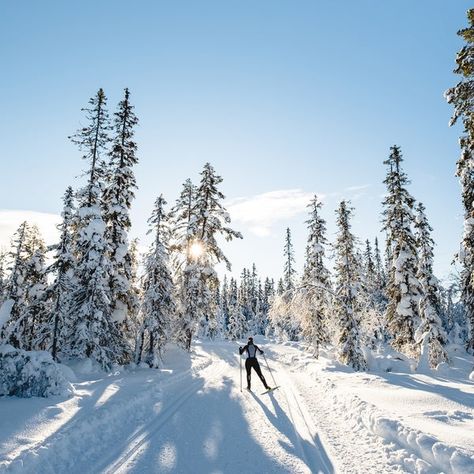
[{"x": 284, "y": 98}]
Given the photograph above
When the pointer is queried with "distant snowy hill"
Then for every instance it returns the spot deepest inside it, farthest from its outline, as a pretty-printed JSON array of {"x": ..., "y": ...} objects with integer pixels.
[{"x": 191, "y": 417}]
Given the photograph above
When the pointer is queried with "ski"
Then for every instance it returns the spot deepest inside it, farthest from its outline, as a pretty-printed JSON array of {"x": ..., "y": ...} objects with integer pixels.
[{"x": 269, "y": 390}]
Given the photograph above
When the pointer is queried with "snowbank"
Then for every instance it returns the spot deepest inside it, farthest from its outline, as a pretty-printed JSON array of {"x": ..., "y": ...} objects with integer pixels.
[
  {"x": 431, "y": 453},
  {"x": 30, "y": 374}
]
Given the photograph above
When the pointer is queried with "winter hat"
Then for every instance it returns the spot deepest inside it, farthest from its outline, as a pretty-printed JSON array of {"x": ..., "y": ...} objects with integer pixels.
[{"x": 251, "y": 339}]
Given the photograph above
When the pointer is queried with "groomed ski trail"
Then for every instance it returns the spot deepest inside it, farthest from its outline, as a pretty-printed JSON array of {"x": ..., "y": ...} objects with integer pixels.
[
  {"x": 191, "y": 417},
  {"x": 213, "y": 427}
]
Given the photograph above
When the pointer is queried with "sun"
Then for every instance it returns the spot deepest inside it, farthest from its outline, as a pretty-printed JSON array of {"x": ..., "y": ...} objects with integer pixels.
[{"x": 196, "y": 250}]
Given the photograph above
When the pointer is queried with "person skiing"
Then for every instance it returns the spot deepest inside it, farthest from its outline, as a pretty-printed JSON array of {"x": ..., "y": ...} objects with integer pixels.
[{"x": 252, "y": 361}]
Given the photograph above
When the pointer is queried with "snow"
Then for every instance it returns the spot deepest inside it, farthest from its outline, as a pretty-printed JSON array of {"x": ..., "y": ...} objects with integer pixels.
[
  {"x": 191, "y": 417},
  {"x": 30, "y": 374},
  {"x": 119, "y": 314},
  {"x": 5, "y": 311}
]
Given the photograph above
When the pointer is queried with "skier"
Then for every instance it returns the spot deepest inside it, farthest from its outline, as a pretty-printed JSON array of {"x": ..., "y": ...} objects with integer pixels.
[{"x": 252, "y": 361}]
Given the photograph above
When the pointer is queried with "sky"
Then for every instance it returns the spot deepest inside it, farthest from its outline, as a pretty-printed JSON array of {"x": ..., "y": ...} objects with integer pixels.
[{"x": 286, "y": 99}]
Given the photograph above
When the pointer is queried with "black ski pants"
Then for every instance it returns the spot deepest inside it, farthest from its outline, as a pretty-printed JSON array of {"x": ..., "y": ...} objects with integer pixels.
[{"x": 253, "y": 362}]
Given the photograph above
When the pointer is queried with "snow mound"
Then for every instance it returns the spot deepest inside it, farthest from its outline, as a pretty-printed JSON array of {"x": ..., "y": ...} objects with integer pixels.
[
  {"x": 428, "y": 452},
  {"x": 30, "y": 374}
]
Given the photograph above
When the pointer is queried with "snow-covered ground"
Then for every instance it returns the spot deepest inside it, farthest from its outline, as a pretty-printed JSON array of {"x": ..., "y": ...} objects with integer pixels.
[{"x": 191, "y": 417}]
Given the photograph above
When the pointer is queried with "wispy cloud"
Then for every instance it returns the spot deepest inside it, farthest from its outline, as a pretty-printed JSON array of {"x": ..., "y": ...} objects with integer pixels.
[
  {"x": 262, "y": 211},
  {"x": 362, "y": 187},
  {"x": 11, "y": 219}
]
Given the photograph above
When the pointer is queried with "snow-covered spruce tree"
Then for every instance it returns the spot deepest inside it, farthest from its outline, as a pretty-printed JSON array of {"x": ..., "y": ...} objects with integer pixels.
[
  {"x": 347, "y": 280},
  {"x": 245, "y": 300},
  {"x": 209, "y": 219},
  {"x": 93, "y": 333},
  {"x": 289, "y": 272},
  {"x": 429, "y": 334},
  {"x": 261, "y": 310},
  {"x": 117, "y": 199},
  {"x": 461, "y": 96},
  {"x": 403, "y": 288},
  {"x": 372, "y": 311},
  {"x": 253, "y": 291},
  {"x": 380, "y": 277},
  {"x": 237, "y": 327},
  {"x": 267, "y": 298},
  {"x": 3, "y": 276},
  {"x": 369, "y": 265},
  {"x": 316, "y": 284},
  {"x": 454, "y": 321},
  {"x": 216, "y": 326},
  {"x": 285, "y": 323},
  {"x": 181, "y": 220},
  {"x": 134, "y": 320},
  {"x": 224, "y": 305},
  {"x": 26, "y": 302},
  {"x": 280, "y": 287},
  {"x": 36, "y": 286},
  {"x": 61, "y": 291},
  {"x": 15, "y": 298},
  {"x": 158, "y": 304}
]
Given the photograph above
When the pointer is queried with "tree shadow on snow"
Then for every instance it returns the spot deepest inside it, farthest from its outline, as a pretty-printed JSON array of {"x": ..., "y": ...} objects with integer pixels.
[
  {"x": 408, "y": 381},
  {"x": 205, "y": 432},
  {"x": 312, "y": 454}
]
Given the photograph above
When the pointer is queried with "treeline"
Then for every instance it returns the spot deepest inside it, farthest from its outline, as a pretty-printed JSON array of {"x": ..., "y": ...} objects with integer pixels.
[
  {"x": 91, "y": 301},
  {"x": 368, "y": 300}
]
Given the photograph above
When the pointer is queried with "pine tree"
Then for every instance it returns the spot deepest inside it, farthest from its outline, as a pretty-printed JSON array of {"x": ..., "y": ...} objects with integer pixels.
[
  {"x": 93, "y": 333},
  {"x": 117, "y": 200},
  {"x": 158, "y": 303},
  {"x": 237, "y": 323},
  {"x": 316, "y": 280},
  {"x": 372, "y": 308},
  {"x": 347, "y": 275},
  {"x": 3, "y": 276},
  {"x": 380, "y": 277},
  {"x": 268, "y": 296},
  {"x": 369, "y": 265},
  {"x": 289, "y": 271},
  {"x": 261, "y": 310},
  {"x": 461, "y": 97},
  {"x": 403, "y": 289},
  {"x": 224, "y": 304},
  {"x": 281, "y": 287},
  {"x": 36, "y": 286},
  {"x": 454, "y": 321},
  {"x": 93, "y": 141},
  {"x": 430, "y": 331},
  {"x": 15, "y": 302},
  {"x": 181, "y": 218},
  {"x": 245, "y": 300},
  {"x": 25, "y": 288},
  {"x": 134, "y": 321},
  {"x": 207, "y": 220},
  {"x": 63, "y": 285}
]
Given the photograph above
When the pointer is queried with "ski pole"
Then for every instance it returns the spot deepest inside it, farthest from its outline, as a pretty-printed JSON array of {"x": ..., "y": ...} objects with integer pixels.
[{"x": 268, "y": 367}]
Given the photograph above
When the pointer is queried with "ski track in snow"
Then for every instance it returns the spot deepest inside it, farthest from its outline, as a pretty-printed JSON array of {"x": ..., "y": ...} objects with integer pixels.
[{"x": 191, "y": 417}]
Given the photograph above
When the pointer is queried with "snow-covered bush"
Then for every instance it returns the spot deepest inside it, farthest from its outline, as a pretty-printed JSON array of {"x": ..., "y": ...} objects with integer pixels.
[{"x": 30, "y": 374}]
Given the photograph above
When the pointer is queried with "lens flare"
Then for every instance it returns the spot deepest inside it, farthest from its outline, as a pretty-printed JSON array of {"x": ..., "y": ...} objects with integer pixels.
[{"x": 196, "y": 250}]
